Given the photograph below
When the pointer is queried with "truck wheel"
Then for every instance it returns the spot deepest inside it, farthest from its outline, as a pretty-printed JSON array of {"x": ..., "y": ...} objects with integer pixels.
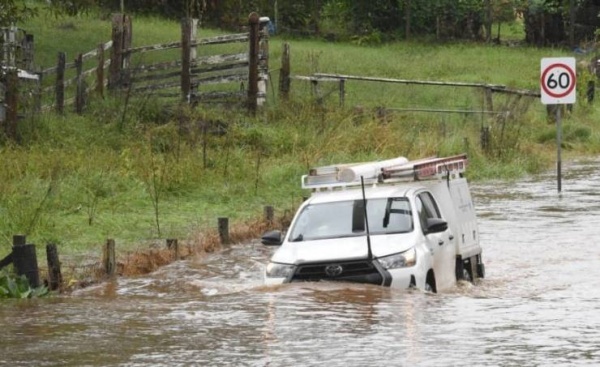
[
  {"x": 462, "y": 270},
  {"x": 480, "y": 269},
  {"x": 466, "y": 275}
]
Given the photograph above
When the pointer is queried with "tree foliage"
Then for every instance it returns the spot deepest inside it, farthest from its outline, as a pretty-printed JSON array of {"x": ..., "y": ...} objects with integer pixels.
[
  {"x": 545, "y": 20},
  {"x": 13, "y": 12}
]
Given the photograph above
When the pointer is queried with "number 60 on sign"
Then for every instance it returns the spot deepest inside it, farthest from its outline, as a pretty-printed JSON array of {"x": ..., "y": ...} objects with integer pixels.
[{"x": 558, "y": 80}]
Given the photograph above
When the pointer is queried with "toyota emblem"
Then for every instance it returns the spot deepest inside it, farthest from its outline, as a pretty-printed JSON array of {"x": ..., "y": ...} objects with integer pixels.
[{"x": 333, "y": 270}]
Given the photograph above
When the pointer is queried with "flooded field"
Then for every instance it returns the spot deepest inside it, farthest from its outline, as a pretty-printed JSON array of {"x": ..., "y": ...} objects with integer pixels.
[{"x": 538, "y": 306}]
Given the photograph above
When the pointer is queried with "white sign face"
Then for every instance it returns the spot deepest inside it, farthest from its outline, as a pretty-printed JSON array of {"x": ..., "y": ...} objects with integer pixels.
[{"x": 558, "y": 80}]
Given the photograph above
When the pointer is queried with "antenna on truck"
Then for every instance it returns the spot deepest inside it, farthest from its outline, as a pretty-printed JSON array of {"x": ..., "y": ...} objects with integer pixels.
[{"x": 369, "y": 253}]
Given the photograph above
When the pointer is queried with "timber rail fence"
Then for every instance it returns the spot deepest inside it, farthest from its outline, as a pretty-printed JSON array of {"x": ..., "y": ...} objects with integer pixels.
[{"x": 189, "y": 78}]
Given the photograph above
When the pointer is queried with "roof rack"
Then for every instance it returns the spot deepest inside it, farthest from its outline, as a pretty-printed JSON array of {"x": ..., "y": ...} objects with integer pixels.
[{"x": 392, "y": 170}]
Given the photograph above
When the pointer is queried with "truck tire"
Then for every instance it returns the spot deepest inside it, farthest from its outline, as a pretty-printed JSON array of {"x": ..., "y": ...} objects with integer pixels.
[
  {"x": 480, "y": 268},
  {"x": 430, "y": 282},
  {"x": 462, "y": 270}
]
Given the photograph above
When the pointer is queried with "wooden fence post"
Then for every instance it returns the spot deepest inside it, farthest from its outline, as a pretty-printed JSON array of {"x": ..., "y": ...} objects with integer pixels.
[
  {"x": 25, "y": 260},
  {"x": 12, "y": 104},
  {"x": 253, "y": 53},
  {"x": 100, "y": 72},
  {"x": 126, "y": 56},
  {"x": 109, "y": 257},
  {"x": 342, "y": 91},
  {"x": 193, "y": 39},
  {"x": 485, "y": 138},
  {"x": 269, "y": 214},
  {"x": 263, "y": 60},
  {"x": 80, "y": 92},
  {"x": 54, "y": 274},
  {"x": 186, "y": 25},
  {"x": 38, "y": 92},
  {"x": 60, "y": 83},
  {"x": 2, "y": 102},
  {"x": 224, "y": 230},
  {"x": 28, "y": 52},
  {"x": 10, "y": 46},
  {"x": 6, "y": 261},
  {"x": 173, "y": 245},
  {"x": 489, "y": 101},
  {"x": 116, "y": 54},
  {"x": 284, "y": 73}
]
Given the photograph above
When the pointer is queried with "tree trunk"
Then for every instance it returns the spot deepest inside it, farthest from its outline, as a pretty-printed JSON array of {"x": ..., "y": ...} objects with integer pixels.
[
  {"x": 407, "y": 19},
  {"x": 488, "y": 21}
]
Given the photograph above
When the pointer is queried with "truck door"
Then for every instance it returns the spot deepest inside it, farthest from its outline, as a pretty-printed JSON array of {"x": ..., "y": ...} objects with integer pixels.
[{"x": 439, "y": 244}]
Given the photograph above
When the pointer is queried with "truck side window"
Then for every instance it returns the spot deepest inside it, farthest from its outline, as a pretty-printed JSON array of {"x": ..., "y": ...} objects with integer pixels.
[
  {"x": 430, "y": 205},
  {"x": 426, "y": 208}
]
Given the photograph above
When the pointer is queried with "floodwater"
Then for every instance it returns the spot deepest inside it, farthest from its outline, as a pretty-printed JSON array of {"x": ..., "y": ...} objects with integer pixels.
[{"x": 538, "y": 306}]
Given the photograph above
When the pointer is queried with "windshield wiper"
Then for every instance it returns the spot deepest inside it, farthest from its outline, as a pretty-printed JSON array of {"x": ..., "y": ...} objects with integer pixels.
[{"x": 298, "y": 238}]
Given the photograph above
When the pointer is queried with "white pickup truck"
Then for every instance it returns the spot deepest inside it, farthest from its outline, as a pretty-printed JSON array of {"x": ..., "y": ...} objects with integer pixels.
[{"x": 398, "y": 223}]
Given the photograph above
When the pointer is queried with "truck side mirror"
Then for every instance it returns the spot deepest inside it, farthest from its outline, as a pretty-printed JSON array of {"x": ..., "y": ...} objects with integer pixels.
[
  {"x": 271, "y": 238},
  {"x": 436, "y": 225}
]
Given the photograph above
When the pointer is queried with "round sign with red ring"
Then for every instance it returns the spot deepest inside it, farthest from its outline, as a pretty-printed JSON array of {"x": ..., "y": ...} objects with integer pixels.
[{"x": 566, "y": 90}]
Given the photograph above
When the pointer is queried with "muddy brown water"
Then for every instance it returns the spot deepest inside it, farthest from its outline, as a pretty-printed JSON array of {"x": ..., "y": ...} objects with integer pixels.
[{"x": 538, "y": 306}]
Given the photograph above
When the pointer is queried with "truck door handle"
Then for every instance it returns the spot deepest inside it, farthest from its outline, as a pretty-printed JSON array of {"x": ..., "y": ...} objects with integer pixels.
[
  {"x": 451, "y": 237},
  {"x": 440, "y": 242}
]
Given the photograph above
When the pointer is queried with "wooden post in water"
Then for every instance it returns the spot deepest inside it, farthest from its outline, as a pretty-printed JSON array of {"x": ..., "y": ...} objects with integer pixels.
[
  {"x": 224, "y": 230},
  {"x": 253, "y": 55},
  {"x": 109, "y": 257},
  {"x": 25, "y": 260},
  {"x": 19, "y": 240},
  {"x": 54, "y": 274},
  {"x": 59, "y": 89},
  {"x": 173, "y": 245}
]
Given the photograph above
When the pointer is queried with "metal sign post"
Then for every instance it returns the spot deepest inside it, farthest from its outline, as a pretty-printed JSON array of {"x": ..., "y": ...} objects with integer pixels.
[
  {"x": 557, "y": 82},
  {"x": 558, "y": 151}
]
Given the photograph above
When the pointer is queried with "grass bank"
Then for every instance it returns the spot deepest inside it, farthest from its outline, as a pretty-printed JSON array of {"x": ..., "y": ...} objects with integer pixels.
[{"x": 145, "y": 171}]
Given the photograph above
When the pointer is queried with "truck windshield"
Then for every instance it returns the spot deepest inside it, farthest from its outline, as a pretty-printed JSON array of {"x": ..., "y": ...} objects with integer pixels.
[{"x": 346, "y": 219}]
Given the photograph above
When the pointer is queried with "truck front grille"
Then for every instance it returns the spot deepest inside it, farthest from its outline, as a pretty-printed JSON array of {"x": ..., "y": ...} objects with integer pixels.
[{"x": 361, "y": 271}]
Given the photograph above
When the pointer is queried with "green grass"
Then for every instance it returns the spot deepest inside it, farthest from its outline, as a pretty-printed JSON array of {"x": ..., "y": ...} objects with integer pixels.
[{"x": 79, "y": 180}]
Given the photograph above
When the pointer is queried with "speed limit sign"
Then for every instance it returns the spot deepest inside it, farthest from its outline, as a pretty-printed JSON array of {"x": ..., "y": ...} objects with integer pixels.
[{"x": 558, "y": 80}]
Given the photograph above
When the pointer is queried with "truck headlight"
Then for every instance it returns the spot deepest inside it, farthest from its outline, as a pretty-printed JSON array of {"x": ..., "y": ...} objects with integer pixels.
[
  {"x": 276, "y": 270},
  {"x": 400, "y": 260}
]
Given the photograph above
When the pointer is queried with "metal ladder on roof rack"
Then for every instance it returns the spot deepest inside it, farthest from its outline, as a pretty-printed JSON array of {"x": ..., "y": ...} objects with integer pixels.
[{"x": 398, "y": 169}]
